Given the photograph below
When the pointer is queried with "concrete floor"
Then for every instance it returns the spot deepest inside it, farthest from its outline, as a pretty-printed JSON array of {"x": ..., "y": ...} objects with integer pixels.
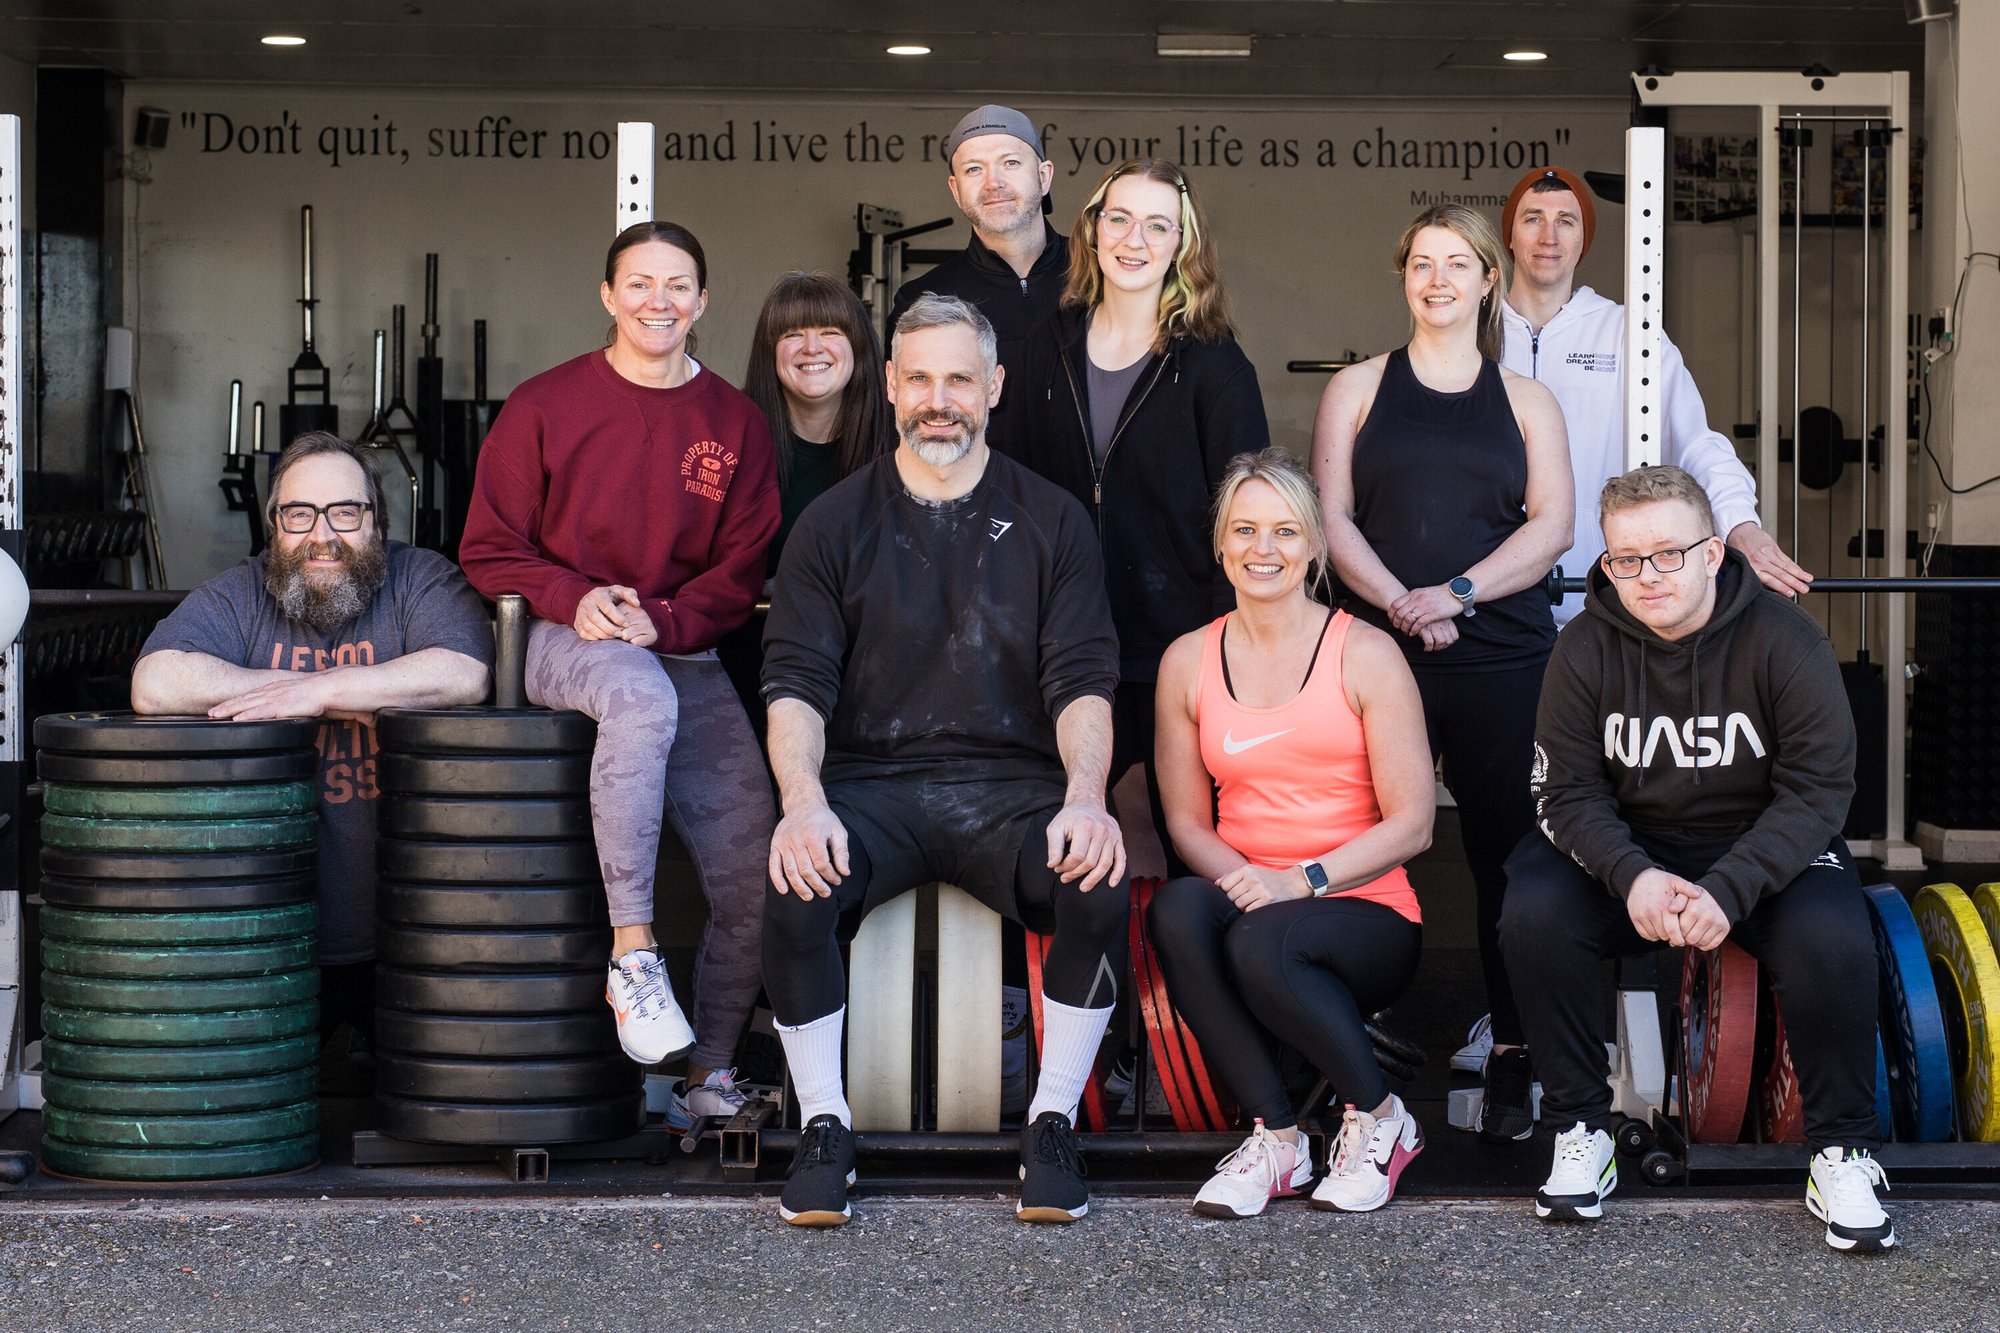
[{"x": 962, "y": 1263}]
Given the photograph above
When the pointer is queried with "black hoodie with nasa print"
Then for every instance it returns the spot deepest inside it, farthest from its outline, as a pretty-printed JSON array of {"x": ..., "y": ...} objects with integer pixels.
[{"x": 1739, "y": 734}]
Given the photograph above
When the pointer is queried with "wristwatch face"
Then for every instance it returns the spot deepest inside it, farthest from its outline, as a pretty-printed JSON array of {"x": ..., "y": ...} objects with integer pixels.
[
  {"x": 1461, "y": 587},
  {"x": 1315, "y": 875}
]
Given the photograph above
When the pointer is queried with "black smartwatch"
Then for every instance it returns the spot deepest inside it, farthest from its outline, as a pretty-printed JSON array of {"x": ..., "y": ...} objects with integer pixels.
[
  {"x": 1315, "y": 877},
  {"x": 1461, "y": 588}
]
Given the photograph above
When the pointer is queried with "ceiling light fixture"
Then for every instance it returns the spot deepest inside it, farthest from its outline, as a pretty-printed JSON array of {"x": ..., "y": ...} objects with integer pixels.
[
  {"x": 909, "y": 49},
  {"x": 1203, "y": 44},
  {"x": 281, "y": 40},
  {"x": 1526, "y": 57}
]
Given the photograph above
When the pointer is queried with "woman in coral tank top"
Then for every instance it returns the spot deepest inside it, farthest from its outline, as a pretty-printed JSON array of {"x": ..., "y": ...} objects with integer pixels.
[{"x": 1306, "y": 726}]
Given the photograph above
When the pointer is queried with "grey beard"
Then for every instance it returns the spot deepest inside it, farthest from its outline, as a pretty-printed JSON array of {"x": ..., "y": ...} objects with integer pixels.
[
  {"x": 326, "y": 607},
  {"x": 941, "y": 453}
]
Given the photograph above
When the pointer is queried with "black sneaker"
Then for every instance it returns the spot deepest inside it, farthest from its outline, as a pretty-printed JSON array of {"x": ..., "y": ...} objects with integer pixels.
[
  {"x": 822, "y": 1172},
  {"x": 1052, "y": 1171},
  {"x": 1506, "y": 1112}
]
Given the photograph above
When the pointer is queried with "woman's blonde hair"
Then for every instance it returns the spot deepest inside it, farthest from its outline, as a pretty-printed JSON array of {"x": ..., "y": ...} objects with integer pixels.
[
  {"x": 1192, "y": 301},
  {"x": 1472, "y": 226},
  {"x": 1294, "y": 485}
]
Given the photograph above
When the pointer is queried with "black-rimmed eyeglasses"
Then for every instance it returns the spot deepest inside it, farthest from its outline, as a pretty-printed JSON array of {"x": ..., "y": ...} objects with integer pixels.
[
  {"x": 342, "y": 516},
  {"x": 1668, "y": 561}
]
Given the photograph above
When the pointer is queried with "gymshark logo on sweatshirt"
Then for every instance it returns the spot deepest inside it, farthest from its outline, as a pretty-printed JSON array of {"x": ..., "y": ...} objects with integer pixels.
[{"x": 1687, "y": 742}]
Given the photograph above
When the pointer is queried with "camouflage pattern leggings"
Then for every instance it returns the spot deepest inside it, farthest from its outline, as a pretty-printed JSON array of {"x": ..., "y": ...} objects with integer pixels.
[{"x": 672, "y": 738}]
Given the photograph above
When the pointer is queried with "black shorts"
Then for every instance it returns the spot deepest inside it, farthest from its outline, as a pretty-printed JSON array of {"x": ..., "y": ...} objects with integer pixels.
[{"x": 971, "y": 834}]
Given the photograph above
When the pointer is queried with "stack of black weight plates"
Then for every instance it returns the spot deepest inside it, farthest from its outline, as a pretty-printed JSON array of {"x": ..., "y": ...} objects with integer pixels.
[
  {"x": 180, "y": 993},
  {"x": 492, "y": 941}
]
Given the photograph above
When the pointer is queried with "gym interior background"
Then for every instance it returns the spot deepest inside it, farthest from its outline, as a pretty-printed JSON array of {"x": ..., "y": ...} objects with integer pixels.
[{"x": 167, "y": 155}]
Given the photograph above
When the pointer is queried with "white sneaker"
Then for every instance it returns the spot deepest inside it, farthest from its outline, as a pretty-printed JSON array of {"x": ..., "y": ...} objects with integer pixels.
[
  {"x": 651, "y": 1026},
  {"x": 1369, "y": 1159},
  {"x": 1840, "y": 1191},
  {"x": 1583, "y": 1176},
  {"x": 1471, "y": 1057},
  {"x": 1264, "y": 1167},
  {"x": 716, "y": 1097}
]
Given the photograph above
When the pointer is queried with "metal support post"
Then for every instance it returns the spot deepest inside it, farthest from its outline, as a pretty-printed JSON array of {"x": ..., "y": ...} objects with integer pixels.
[
  {"x": 1645, "y": 287},
  {"x": 635, "y": 173},
  {"x": 12, "y": 737}
]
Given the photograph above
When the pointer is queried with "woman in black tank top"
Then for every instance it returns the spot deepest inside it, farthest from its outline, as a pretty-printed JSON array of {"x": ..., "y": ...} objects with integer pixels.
[{"x": 1446, "y": 481}]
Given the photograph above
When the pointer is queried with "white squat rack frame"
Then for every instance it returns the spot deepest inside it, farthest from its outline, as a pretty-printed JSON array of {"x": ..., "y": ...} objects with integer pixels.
[
  {"x": 12, "y": 399},
  {"x": 636, "y": 139},
  {"x": 1887, "y": 94}
]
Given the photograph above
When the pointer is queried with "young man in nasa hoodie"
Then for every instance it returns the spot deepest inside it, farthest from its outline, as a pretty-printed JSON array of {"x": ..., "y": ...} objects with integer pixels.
[{"x": 1694, "y": 759}]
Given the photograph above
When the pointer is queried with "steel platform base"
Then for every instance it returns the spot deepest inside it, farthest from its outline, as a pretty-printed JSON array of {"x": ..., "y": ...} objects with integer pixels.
[{"x": 737, "y": 1143}]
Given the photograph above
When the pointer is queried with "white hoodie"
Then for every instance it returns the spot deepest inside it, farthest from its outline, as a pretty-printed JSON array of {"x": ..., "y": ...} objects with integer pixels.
[{"x": 1577, "y": 355}]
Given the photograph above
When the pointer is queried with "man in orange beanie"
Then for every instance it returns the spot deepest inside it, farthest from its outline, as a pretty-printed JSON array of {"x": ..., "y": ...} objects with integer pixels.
[{"x": 1573, "y": 340}]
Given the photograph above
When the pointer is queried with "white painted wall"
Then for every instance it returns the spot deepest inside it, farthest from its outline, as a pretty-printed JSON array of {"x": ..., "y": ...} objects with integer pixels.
[{"x": 1306, "y": 249}]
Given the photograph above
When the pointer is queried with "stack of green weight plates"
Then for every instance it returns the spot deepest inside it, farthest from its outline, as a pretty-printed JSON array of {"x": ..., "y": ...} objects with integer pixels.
[{"x": 180, "y": 992}]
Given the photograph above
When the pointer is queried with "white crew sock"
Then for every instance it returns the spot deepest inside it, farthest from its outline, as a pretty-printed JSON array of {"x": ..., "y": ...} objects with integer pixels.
[
  {"x": 812, "y": 1050},
  {"x": 1070, "y": 1038}
]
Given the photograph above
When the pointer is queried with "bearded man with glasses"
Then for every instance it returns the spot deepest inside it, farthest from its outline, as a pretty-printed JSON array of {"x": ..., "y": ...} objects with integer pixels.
[
  {"x": 331, "y": 622},
  {"x": 1694, "y": 758}
]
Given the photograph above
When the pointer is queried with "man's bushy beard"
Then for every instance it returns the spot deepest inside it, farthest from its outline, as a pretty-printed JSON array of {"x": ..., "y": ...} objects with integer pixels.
[
  {"x": 934, "y": 451},
  {"x": 329, "y": 601}
]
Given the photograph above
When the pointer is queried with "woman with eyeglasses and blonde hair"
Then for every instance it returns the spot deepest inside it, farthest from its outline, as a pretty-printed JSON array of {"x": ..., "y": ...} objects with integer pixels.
[
  {"x": 1136, "y": 398},
  {"x": 1446, "y": 488}
]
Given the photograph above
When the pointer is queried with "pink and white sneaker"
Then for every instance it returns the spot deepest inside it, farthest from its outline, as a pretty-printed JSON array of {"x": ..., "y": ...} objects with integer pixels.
[
  {"x": 1369, "y": 1159},
  {"x": 1264, "y": 1167}
]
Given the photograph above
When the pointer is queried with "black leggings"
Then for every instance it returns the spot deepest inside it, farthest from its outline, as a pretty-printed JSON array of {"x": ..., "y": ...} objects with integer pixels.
[
  {"x": 1812, "y": 937},
  {"x": 1482, "y": 725},
  {"x": 803, "y": 975},
  {"x": 1305, "y": 974}
]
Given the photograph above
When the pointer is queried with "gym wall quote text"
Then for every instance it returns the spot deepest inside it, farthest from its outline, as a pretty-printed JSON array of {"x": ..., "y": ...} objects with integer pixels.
[{"x": 770, "y": 141}]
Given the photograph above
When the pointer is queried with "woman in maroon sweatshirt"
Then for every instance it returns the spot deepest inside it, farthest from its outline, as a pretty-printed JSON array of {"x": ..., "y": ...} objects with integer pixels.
[{"x": 630, "y": 494}]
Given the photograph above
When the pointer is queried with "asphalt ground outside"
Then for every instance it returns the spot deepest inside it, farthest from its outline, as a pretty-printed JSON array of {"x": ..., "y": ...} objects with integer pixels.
[{"x": 965, "y": 1263}]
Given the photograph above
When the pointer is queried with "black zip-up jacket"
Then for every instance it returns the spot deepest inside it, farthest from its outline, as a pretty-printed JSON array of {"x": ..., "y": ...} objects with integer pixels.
[
  {"x": 1741, "y": 730},
  {"x": 1192, "y": 409},
  {"x": 1014, "y": 305}
]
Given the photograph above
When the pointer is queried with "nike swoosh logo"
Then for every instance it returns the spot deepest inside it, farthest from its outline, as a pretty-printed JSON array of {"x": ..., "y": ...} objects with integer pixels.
[{"x": 1230, "y": 745}]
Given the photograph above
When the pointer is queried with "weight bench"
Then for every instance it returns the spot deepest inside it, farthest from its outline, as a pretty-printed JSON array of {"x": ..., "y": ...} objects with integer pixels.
[{"x": 882, "y": 1013}]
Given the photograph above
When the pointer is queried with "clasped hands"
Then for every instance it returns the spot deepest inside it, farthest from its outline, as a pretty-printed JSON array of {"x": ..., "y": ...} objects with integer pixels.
[
  {"x": 1427, "y": 613},
  {"x": 1663, "y": 906},
  {"x": 614, "y": 612}
]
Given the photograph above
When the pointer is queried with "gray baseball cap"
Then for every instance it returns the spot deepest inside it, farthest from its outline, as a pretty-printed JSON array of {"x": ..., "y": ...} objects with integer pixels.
[{"x": 994, "y": 120}]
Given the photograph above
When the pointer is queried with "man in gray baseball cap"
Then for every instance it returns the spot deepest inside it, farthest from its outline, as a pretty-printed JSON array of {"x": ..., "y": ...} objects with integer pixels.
[{"x": 1015, "y": 265}]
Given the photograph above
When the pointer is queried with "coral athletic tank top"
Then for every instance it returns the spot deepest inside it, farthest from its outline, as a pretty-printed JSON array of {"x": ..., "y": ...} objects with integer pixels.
[{"x": 1293, "y": 780}]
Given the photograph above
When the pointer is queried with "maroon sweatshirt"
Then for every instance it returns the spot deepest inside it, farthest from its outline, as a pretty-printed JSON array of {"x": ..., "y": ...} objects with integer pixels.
[{"x": 588, "y": 479}]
